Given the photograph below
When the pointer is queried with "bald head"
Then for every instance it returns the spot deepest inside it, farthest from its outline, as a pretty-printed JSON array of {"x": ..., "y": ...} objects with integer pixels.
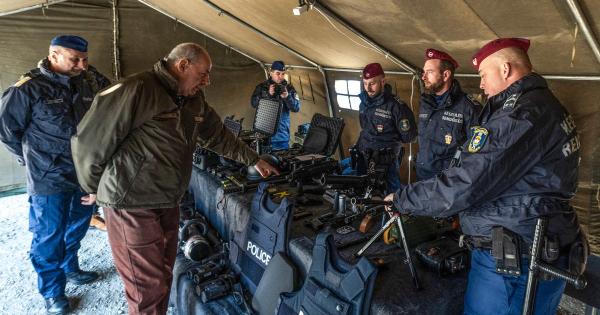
[
  {"x": 190, "y": 51},
  {"x": 190, "y": 65},
  {"x": 503, "y": 68}
]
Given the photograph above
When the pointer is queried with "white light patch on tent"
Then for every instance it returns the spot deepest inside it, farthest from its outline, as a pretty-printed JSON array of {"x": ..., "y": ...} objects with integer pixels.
[
  {"x": 354, "y": 102},
  {"x": 353, "y": 87},
  {"x": 343, "y": 101},
  {"x": 341, "y": 87}
]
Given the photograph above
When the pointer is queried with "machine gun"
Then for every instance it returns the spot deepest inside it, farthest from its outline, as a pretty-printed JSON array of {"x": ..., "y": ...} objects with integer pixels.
[
  {"x": 294, "y": 171},
  {"x": 363, "y": 185}
]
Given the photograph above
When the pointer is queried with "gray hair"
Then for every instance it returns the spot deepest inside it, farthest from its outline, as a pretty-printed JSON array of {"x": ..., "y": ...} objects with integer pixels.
[{"x": 189, "y": 51}]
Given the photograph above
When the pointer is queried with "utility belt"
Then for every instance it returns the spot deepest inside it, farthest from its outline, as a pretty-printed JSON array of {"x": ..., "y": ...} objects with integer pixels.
[
  {"x": 507, "y": 248},
  {"x": 504, "y": 246}
]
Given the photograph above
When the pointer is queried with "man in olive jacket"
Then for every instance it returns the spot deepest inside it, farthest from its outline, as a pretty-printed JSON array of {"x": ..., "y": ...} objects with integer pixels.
[{"x": 133, "y": 154}]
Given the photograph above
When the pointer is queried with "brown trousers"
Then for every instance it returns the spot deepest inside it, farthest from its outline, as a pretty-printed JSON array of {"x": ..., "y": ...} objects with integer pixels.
[{"x": 144, "y": 246}]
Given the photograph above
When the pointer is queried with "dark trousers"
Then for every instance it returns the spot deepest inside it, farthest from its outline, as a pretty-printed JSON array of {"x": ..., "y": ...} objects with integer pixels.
[
  {"x": 144, "y": 245},
  {"x": 58, "y": 223},
  {"x": 490, "y": 293}
]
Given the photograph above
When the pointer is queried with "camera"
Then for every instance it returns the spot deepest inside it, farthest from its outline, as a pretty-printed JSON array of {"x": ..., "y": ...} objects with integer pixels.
[{"x": 279, "y": 88}]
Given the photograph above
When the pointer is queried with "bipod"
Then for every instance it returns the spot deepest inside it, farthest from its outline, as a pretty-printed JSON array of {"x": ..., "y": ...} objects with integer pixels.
[{"x": 395, "y": 218}]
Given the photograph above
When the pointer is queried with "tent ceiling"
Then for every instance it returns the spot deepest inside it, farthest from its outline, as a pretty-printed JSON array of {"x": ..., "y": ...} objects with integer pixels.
[
  {"x": 204, "y": 18},
  {"x": 8, "y": 6},
  {"x": 400, "y": 26}
]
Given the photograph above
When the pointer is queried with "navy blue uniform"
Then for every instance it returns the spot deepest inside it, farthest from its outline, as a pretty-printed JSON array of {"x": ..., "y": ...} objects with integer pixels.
[
  {"x": 520, "y": 163},
  {"x": 38, "y": 115},
  {"x": 386, "y": 122},
  {"x": 443, "y": 128},
  {"x": 280, "y": 140}
]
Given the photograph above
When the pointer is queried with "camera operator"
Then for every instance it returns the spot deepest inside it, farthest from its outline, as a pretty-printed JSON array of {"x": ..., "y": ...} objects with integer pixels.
[{"x": 277, "y": 88}]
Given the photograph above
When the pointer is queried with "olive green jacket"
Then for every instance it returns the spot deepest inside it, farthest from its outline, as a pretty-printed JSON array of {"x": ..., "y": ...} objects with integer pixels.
[{"x": 134, "y": 146}]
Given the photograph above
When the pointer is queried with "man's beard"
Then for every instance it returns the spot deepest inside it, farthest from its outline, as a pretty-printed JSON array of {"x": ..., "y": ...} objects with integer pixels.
[{"x": 434, "y": 87}]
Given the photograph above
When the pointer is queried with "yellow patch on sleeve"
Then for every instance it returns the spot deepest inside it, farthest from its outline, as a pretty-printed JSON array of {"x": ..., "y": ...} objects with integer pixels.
[{"x": 22, "y": 81}]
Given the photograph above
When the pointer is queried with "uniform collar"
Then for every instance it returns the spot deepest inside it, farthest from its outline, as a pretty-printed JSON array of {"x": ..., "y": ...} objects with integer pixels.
[
  {"x": 378, "y": 100},
  {"x": 527, "y": 83},
  {"x": 270, "y": 81},
  {"x": 167, "y": 80},
  {"x": 44, "y": 67},
  {"x": 453, "y": 94}
]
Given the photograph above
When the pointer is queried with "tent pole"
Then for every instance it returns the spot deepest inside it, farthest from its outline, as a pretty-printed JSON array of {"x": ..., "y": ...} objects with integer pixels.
[
  {"x": 45, "y": 4},
  {"x": 117, "y": 60},
  {"x": 585, "y": 27}
]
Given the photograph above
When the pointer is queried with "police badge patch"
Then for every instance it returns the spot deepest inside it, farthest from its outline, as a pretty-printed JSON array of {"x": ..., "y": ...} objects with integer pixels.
[
  {"x": 448, "y": 138},
  {"x": 479, "y": 138},
  {"x": 404, "y": 125}
]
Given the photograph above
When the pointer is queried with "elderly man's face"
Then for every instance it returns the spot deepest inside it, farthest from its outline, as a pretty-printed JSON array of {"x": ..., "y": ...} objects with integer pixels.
[
  {"x": 195, "y": 76},
  {"x": 68, "y": 61},
  {"x": 492, "y": 79},
  {"x": 277, "y": 76},
  {"x": 433, "y": 78},
  {"x": 374, "y": 85}
]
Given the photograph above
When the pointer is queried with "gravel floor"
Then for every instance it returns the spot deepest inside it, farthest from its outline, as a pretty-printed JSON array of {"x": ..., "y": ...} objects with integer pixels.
[{"x": 18, "y": 281}]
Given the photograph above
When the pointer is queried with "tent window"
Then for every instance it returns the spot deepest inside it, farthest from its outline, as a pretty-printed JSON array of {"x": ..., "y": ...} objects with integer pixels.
[{"x": 347, "y": 93}]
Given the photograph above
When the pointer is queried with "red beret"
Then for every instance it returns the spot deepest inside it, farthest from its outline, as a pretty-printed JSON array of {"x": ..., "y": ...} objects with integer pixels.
[
  {"x": 431, "y": 53},
  {"x": 497, "y": 44},
  {"x": 372, "y": 70}
]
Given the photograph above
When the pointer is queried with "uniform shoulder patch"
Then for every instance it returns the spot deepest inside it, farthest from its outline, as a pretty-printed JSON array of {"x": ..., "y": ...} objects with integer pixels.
[
  {"x": 404, "y": 125},
  {"x": 510, "y": 102},
  {"x": 478, "y": 139},
  {"x": 22, "y": 81},
  {"x": 473, "y": 100},
  {"x": 400, "y": 101},
  {"x": 111, "y": 89}
]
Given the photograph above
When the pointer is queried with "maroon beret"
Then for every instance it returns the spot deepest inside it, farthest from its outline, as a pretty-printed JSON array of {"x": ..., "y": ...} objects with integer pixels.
[
  {"x": 372, "y": 70},
  {"x": 431, "y": 53},
  {"x": 497, "y": 44}
]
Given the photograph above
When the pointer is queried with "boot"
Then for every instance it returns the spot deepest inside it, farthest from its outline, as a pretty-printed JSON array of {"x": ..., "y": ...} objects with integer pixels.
[
  {"x": 97, "y": 222},
  {"x": 57, "y": 305}
]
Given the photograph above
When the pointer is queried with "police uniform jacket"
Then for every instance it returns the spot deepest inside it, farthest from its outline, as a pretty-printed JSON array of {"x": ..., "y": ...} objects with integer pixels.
[
  {"x": 38, "y": 115},
  {"x": 385, "y": 120},
  {"x": 520, "y": 163},
  {"x": 443, "y": 128},
  {"x": 134, "y": 146},
  {"x": 288, "y": 104}
]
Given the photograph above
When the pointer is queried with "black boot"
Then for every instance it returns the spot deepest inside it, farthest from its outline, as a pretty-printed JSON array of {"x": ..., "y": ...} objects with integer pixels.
[
  {"x": 57, "y": 305},
  {"x": 82, "y": 277}
]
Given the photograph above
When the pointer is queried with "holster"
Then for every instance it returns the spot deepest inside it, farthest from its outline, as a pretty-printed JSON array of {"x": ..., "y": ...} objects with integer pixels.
[
  {"x": 578, "y": 254},
  {"x": 506, "y": 250}
]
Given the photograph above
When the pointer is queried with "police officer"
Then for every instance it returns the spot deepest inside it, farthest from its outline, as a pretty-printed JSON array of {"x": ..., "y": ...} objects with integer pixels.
[
  {"x": 385, "y": 120},
  {"x": 445, "y": 114},
  {"x": 277, "y": 88},
  {"x": 38, "y": 115},
  {"x": 520, "y": 163}
]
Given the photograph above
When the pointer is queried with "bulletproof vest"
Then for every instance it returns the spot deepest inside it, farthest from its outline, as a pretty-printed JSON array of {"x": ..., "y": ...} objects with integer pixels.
[
  {"x": 266, "y": 234},
  {"x": 332, "y": 286}
]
